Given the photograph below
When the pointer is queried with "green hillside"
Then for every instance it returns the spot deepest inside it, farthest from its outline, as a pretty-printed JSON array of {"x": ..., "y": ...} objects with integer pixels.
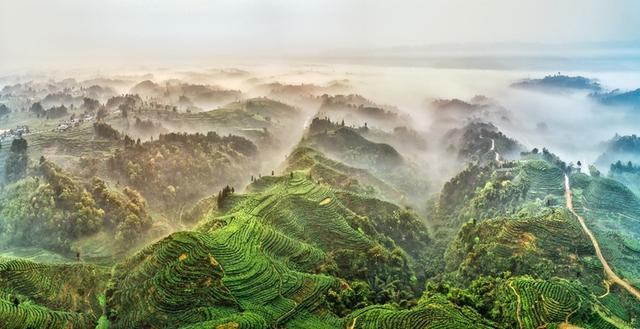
[
  {"x": 291, "y": 252},
  {"x": 347, "y": 145},
  {"x": 531, "y": 303},
  {"x": 34, "y": 295},
  {"x": 629, "y": 179},
  {"x": 258, "y": 214},
  {"x": 518, "y": 302},
  {"x": 517, "y": 226},
  {"x": 430, "y": 313},
  {"x": 52, "y": 209},
  {"x": 483, "y": 192},
  {"x": 299, "y": 254},
  {"x": 612, "y": 212},
  {"x": 339, "y": 175},
  {"x": 182, "y": 168},
  {"x": 323, "y": 245},
  {"x": 473, "y": 142}
]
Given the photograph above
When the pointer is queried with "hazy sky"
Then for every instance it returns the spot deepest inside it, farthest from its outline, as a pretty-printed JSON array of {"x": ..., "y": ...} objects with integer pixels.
[{"x": 77, "y": 31}]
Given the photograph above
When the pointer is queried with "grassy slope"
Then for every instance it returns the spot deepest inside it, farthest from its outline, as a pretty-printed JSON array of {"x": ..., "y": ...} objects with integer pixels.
[
  {"x": 339, "y": 175},
  {"x": 526, "y": 231},
  {"x": 59, "y": 295},
  {"x": 274, "y": 257},
  {"x": 347, "y": 145},
  {"x": 631, "y": 180},
  {"x": 517, "y": 226},
  {"x": 612, "y": 212},
  {"x": 255, "y": 266},
  {"x": 433, "y": 313},
  {"x": 271, "y": 257}
]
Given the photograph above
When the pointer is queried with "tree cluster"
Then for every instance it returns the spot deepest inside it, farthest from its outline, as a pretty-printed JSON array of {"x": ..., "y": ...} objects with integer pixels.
[
  {"x": 4, "y": 110},
  {"x": 178, "y": 167},
  {"x": 131, "y": 101},
  {"x": 17, "y": 160},
  {"x": 37, "y": 109},
  {"x": 629, "y": 144},
  {"x": 549, "y": 157},
  {"x": 51, "y": 209},
  {"x": 105, "y": 130},
  {"x": 56, "y": 112},
  {"x": 125, "y": 213},
  {"x": 223, "y": 195},
  {"x": 90, "y": 104},
  {"x": 620, "y": 168}
]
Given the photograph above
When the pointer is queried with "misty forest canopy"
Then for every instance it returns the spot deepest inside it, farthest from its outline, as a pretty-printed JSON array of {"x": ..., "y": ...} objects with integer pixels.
[
  {"x": 559, "y": 81},
  {"x": 308, "y": 197}
]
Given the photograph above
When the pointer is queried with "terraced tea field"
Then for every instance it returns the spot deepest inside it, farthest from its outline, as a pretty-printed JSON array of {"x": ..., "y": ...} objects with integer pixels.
[
  {"x": 546, "y": 246},
  {"x": 554, "y": 303},
  {"x": 612, "y": 213},
  {"x": 315, "y": 249},
  {"x": 427, "y": 315},
  {"x": 255, "y": 270},
  {"x": 542, "y": 178},
  {"x": 52, "y": 296},
  {"x": 340, "y": 175}
]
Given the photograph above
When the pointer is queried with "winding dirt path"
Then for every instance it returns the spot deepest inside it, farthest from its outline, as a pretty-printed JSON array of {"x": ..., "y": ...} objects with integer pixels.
[
  {"x": 493, "y": 149},
  {"x": 613, "y": 277},
  {"x": 518, "y": 305}
]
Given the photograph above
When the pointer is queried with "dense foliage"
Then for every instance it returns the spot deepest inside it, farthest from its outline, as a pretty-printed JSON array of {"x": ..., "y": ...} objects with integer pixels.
[
  {"x": 56, "y": 112},
  {"x": 473, "y": 142},
  {"x": 628, "y": 168},
  {"x": 332, "y": 257},
  {"x": 51, "y": 209},
  {"x": 620, "y": 148},
  {"x": 105, "y": 130},
  {"x": 17, "y": 160},
  {"x": 36, "y": 295},
  {"x": 559, "y": 81},
  {"x": 178, "y": 168},
  {"x": 4, "y": 110},
  {"x": 340, "y": 235},
  {"x": 349, "y": 146}
]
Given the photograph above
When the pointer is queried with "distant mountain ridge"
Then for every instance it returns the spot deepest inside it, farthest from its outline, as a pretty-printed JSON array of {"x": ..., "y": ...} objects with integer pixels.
[
  {"x": 559, "y": 82},
  {"x": 619, "y": 98}
]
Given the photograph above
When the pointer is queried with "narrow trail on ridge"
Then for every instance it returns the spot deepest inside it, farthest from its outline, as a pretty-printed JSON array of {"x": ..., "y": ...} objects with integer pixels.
[{"x": 493, "y": 149}]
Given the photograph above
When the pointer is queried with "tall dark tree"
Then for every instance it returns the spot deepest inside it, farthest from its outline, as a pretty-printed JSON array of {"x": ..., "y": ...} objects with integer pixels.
[
  {"x": 17, "y": 160},
  {"x": 105, "y": 130},
  {"x": 4, "y": 110},
  {"x": 102, "y": 113},
  {"x": 37, "y": 109},
  {"x": 90, "y": 104},
  {"x": 223, "y": 195}
]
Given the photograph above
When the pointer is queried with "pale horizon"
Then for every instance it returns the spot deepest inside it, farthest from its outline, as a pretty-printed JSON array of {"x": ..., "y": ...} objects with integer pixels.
[{"x": 73, "y": 33}]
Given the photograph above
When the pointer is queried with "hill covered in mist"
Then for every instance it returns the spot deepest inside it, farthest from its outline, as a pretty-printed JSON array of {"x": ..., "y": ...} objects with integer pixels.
[{"x": 223, "y": 199}]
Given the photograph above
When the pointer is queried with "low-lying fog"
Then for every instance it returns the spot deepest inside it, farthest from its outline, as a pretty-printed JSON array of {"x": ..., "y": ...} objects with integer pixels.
[
  {"x": 575, "y": 123},
  {"x": 569, "y": 123}
]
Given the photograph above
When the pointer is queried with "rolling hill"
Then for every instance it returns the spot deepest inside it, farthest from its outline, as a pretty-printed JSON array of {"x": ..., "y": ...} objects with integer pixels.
[
  {"x": 290, "y": 217},
  {"x": 291, "y": 251}
]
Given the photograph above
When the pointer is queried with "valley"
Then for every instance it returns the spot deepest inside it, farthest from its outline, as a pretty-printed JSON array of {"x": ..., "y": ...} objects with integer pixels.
[{"x": 326, "y": 164}]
